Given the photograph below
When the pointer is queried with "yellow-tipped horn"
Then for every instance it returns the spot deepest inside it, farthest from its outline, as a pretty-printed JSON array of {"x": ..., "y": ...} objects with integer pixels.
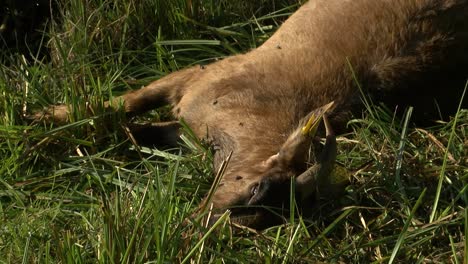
[{"x": 314, "y": 120}]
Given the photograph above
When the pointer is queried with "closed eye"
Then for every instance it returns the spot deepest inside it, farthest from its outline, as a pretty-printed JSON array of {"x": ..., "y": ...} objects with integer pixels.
[{"x": 254, "y": 189}]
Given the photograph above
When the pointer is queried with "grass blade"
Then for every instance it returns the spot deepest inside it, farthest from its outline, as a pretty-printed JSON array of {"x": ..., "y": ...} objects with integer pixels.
[
  {"x": 401, "y": 238},
  {"x": 444, "y": 164}
]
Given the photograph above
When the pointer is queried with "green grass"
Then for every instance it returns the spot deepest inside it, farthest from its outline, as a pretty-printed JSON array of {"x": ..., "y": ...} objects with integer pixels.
[{"x": 83, "y": 193}]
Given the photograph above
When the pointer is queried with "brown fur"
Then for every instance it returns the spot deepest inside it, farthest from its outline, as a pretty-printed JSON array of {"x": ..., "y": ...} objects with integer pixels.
[{"x": 403, "y": 52}]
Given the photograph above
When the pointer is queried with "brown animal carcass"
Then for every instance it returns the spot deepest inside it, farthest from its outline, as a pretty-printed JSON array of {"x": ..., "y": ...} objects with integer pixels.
[{"x": 254, "y": 105}]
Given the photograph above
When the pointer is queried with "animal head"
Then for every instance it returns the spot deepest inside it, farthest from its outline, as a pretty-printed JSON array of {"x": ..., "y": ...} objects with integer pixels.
[{"x": 260, "y": 194}]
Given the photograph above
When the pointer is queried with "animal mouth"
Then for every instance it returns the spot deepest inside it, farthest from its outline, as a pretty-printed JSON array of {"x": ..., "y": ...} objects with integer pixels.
[{"x": 256, "y": 217}]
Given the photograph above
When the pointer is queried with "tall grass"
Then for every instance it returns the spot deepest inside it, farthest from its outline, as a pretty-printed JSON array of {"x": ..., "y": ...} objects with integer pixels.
[{"x": 84, "y": 193}]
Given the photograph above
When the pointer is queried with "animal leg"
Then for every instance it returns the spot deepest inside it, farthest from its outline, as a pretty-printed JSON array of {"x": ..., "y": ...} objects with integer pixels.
[{"x": 167, "y": 90}]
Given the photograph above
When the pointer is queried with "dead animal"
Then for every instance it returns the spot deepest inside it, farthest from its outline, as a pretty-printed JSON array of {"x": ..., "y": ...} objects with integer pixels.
[{"x": 261, "y": 106}]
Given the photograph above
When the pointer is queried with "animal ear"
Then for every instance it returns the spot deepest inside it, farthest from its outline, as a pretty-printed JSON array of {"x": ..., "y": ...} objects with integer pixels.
[{"x": 293, "y": 152}]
